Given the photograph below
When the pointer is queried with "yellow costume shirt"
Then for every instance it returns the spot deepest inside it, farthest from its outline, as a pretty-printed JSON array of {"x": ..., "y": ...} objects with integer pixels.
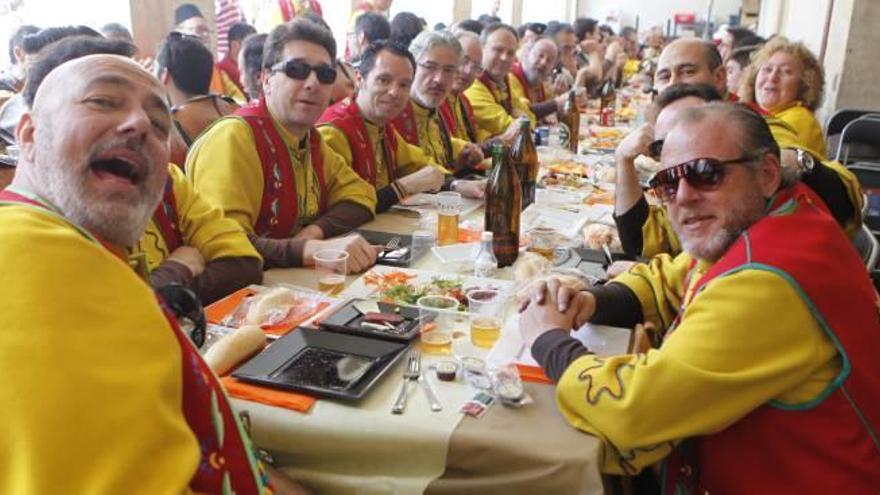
[
  {"x": 202, "y": 226},
  {"x": 430, "y": 137},
  {"x": 409, "y": 158},
  {"x": 224, "y": 168},
  {"x": 93, "y": 385},
  {"x": 458, "y": 112},
  {"x": 221, "y": 84},
  {"x": 725, "y": 363},
  {"x": 492, "y": 119}
]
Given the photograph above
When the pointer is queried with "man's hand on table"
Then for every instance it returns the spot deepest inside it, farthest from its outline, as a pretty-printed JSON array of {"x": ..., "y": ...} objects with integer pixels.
[
  {"x": 470, "y": 188},
  {"x": 362, "y": 254},
  {"x": 422, "y": 180},
  {"x": 551, "y": 305},
  {"x": 470, "y": 156},
  {"x": 189, "y": 257}
]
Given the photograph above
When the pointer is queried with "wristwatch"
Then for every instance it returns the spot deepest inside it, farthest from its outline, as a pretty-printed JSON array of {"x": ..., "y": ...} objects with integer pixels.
[{"x": 805, "y": 162}]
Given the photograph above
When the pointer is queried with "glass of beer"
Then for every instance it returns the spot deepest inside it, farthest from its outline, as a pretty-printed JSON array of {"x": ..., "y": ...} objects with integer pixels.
[
  {"x": 448, "y": 207},
  {"x": 543, "y": 241},
  {"x": 438, "y": 317},
  {"x": 331, "y": 265},
  {"x": 485, "y": 307}
]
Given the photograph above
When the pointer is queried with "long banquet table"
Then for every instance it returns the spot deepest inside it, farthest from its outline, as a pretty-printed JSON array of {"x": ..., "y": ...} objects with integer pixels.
[{"x": 362, "y": 448}]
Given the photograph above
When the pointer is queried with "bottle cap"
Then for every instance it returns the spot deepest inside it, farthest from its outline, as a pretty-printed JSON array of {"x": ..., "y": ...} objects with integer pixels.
[{"x": 486, "y": 235}]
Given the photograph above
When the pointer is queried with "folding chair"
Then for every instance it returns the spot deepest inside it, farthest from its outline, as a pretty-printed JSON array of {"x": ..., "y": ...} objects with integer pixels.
[
  {"x": 838, "y": 120},
  {"x": 866, "y": 244},
  {"x": 868, "y": 175},
  {"x": 860, "y": 141}
]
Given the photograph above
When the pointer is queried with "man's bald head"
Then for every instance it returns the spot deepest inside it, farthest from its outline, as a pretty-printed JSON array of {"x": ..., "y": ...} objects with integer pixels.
[
  {"x": 690, "y": 61},
  {"x": 95, "y": 144}
]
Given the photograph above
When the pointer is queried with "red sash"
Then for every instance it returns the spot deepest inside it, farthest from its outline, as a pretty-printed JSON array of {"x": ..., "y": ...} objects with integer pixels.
[
  {"x": 279, "y": 207},
  {"x": 538, "y": 95},
  {"x": 825, "y": 446},
  {"x": 493, "y": 88},
  {"x": 406, "y": 125},
  {"x": 225, "y": 452},
  {"x": 346, "y": 116},
  {"x": 167, "y": 219},
  {"x": 447, "y": 113}
]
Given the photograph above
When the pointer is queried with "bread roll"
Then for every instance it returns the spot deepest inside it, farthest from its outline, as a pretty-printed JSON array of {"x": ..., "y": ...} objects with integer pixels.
[
  {"x": 270, "y": 307},
  {"x": 235, "y": 347},
  {"x": 528, "y": 266}
]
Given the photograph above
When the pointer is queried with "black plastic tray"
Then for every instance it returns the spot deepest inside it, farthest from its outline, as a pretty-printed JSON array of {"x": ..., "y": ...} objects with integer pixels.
[
  {"x": 347, "y": 319},
  {"x": 273, "y": 366}
]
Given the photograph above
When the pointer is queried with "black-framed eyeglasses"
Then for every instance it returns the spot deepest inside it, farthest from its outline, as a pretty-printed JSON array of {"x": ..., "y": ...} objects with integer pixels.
[
  {"x": 703, "y": 174},
  {"x": 188, "y": 310},
  {"x": 300, "y": 70},
  {"x": 655, "y": 148}
]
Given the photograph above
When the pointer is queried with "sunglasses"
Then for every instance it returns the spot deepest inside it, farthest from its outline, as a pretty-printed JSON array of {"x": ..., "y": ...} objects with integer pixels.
[
  {"x": 299, "y": 70},
  {"x": 703, "y": 174},
  {"x": 655, "y": 148},
  {"x": 187, "y": 308}
]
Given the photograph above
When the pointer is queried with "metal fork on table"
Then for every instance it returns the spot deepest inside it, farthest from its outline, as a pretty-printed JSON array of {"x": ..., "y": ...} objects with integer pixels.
[
  {"x": 411, "y": 373},
  {"x": 392, "y": 244}
]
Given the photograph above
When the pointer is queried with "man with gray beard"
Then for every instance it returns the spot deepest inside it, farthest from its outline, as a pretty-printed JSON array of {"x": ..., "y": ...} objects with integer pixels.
[
  {"x": 97, "y": 374},
  {"x": 767, "y": 329}
]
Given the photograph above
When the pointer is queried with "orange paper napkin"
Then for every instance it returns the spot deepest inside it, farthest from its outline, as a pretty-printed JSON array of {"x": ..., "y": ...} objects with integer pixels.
[{"x": 271, "y": 397}]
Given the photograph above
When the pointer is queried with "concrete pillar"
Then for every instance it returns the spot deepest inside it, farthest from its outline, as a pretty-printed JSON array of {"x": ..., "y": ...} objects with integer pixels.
[{"x": 461, "y": 10}]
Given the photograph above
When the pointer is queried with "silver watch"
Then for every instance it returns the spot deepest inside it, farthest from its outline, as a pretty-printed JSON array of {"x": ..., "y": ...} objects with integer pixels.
[{"x": 805, "y": 162}]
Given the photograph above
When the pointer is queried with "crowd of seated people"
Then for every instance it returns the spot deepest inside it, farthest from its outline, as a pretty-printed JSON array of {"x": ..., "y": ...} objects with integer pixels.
[{"x": 135, "y": 172}]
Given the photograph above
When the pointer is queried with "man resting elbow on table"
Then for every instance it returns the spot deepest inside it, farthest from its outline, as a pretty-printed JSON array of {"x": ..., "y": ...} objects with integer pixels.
[
  {"x": 738, "y": 382},
  {"x": 268, "y": 168}
]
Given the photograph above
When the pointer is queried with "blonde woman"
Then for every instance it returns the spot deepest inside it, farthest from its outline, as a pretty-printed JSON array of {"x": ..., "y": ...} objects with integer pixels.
[{"x": 786, "y": 80}]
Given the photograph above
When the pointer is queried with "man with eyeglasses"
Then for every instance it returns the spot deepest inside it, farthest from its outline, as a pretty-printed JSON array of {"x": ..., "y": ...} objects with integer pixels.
[
  {"x": 456, "y": 109},
  {"x": 437, "y": 55},
  {"x": 268, "y": 169},
  {"x": 188, "y": 20},
  {"x": 758, "y": 357},
  {"x": 644, "y": 230},
  {"x": 359, "y": 128},
  {"x": 497, "y": 103},
  {"x": 533, "y": 73}
]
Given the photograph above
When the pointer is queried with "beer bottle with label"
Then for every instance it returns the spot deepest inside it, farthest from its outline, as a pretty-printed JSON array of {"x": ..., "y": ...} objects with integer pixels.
[
  {"x": 525, "y": 158},
  {"x": 503, "y": 200},
  {"x": 571, "y": 116}
]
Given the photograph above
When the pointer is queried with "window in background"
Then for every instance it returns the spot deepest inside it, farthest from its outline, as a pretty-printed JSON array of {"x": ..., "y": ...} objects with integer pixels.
[
  {"x": 543, "y": 11},
  {"x": 504, "y": 8},
  {"x": 432, "y": 11}
]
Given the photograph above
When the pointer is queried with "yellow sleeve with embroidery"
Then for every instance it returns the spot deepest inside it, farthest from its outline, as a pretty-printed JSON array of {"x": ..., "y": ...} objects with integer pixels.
[
  {"x": 343, "y": 183},
  {"x": 490, "y": 117},
  {"x": 336, "y": 140},
  {"x": 224, "y": 168},
  {"x": 93, "y": 385},
  {"x": 202, "y": 226},
  {"x": 659, "y": 286},
  {"x": 658, "y": 237},
  {"x": 411, "y": 158},
  {"x": 806, "y": 127},
  {"x": 733, "y": 351}
]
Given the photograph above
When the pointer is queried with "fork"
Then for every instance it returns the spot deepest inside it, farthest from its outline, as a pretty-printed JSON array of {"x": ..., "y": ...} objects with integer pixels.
[
  {"x": 411, "y": 373},
  {"x": 392, "y": 244}
]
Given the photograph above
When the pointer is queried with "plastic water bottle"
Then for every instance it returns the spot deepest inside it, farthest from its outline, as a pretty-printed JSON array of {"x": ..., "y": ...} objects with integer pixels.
[{"x": 486, "y": 263}]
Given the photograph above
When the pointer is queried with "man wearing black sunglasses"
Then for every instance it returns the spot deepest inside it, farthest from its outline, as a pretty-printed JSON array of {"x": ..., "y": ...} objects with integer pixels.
[
  {"x": 768, "y": 323},
  {"x": 270, "y": 170},
  {"x": 644, "y": 230}
]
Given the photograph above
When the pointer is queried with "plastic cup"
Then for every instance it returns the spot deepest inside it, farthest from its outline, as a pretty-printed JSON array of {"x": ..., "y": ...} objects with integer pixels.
[
  {"x": 439, "y": 317},
  {"x": 448, "y": 207},
  {"x": 331, "y": 265},
  {"x": 485, "y": 307}
]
